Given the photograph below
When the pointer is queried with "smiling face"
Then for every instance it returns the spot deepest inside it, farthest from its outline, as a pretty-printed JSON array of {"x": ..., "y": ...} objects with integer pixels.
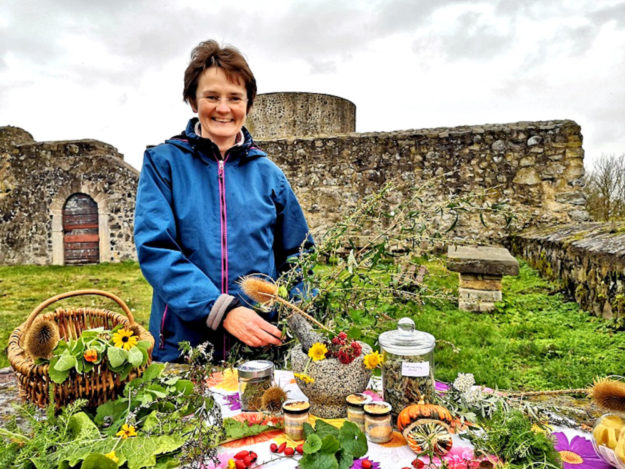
[{"x": 221, "y": 107}]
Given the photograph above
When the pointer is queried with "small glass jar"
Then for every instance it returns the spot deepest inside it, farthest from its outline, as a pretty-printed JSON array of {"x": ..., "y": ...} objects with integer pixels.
[
  {"x": 295, "y": 416},
  {"x": 355, "y": 412},
  {"x": 378, "y": 426},
  {"x": 407, "y": 365},
  {"x": 255, "y": 377}
]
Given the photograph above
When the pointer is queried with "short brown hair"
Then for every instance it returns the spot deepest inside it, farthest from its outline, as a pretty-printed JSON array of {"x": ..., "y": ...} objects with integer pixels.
[{"x": 209, "y": 54}]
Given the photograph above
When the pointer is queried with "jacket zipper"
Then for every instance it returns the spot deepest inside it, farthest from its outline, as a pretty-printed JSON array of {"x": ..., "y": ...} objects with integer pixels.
[
  {"x": 161, "y": 336},
  {"x": 223, "y": 216}
]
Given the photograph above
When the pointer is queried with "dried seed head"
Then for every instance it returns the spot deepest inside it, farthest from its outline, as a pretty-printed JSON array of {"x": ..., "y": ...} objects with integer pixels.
[
  {"x": 260, "y": 290},
  {"x": 272, "y": 399},
  {"x": 41, "y": 338},
  {"x": 609, "y": 394}
]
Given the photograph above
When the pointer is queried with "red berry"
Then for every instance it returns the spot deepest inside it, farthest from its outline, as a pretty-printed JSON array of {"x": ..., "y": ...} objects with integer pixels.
[
  {"x": 248, "y": 460},
  {"x": 239, "y": 464},
  {"x": 253, "y": 455},
  {"x": 282, "y": 447},
  {"x": 342, "y": 335},
  {"x": 418, "y": 464},
  {"x": 289, "y": 451},
  {"x": 273, "y": 447},
  {"x": 300, "y": 448},
  {"x": 241, "y": 454},
  {"x": 366, "y": 464}
]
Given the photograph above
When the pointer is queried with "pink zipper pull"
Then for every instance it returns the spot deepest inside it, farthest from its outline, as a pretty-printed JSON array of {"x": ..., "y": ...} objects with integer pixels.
[{"x": 221, "y": 167}]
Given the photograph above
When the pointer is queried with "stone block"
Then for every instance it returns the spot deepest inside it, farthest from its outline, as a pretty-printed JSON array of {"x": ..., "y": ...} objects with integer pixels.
[
  {"x": 488, "y": 296},
  {"x": 476, "y": 306},
  {"x": 481, "y": 260},
  {"x": 480, "y": 282}
]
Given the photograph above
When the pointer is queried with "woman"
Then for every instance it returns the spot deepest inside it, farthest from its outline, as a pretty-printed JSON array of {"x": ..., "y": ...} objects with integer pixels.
[{"x": 211, "y": 208}]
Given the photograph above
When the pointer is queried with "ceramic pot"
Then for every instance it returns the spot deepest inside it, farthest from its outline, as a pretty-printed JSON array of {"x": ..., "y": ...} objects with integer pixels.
[{"x": 334, "y": 381}]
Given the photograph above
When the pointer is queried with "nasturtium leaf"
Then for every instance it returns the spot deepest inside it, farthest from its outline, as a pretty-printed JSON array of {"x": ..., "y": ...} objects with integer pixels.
[
  {"x": 322, "y": 429},
  {"x": 353, "y": 440},
  {"x": 157, "y": 390},
  {"x": 184, "y": 386},
  {"x": 143, "y": 344},
  {"x": 318, "y": 461},
  {"x": 308, "y": 429},
  {"x": 66, "y": 362},
  {"x": 98, "y": 461},
  {"x": 135, "y": 357},
  {"x": 329, "y": 444},
  {"x": 312, "y": 444},
  {"x": 80, "y": 366},
  {"x": 153, "y": 371},
  {"x": 150, "y": 422},
  {"x": 81, "y": 427},
  {"x": 57, "y": 376},
  {"x": 116, "y": 356},
  {"x": 109, "y": 409},
  {"x": 345, "y": 459}
]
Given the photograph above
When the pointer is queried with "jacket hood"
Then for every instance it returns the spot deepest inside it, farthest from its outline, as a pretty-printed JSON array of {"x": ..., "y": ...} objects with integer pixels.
[{"x": 205, "y": 148}]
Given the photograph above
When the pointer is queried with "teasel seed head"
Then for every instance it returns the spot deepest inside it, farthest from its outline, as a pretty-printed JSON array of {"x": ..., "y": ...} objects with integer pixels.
[
  {"x": 609, "y": 394},
  {"x": 41, "y": 338},
  {"x": 272, "y": 399},
  {"x": 258, "y": 289}
]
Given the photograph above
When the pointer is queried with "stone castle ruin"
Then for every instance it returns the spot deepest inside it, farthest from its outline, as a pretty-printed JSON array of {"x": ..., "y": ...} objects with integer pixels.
[{"x": 72, "y": 202}]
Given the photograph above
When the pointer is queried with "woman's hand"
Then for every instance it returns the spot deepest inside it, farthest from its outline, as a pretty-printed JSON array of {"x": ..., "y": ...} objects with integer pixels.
[{"x": 247, "y": 326}]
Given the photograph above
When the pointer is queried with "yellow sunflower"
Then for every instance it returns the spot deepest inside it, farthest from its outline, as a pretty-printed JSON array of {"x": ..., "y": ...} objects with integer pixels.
[
  {"x": 112, "y": 456},
  {"x": 317, "y": 351},
  {"x": 304, "y": 377},
  {"x": 124, "y": 338},
  {"x": 126, "y": 431},
  {"x": 372, "y": 360}
]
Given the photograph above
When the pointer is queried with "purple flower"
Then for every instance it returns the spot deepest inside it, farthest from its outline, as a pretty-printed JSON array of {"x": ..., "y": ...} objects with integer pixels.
[
  {"x": 234, "y": 403},
  {"x": 440, "y": 386},
  {"x": 578, "y": 454},
  {"x": 358, "y": 464}
]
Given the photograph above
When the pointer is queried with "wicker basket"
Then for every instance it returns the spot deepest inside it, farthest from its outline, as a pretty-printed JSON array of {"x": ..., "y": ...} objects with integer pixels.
[{"x": 99, "y": 385}]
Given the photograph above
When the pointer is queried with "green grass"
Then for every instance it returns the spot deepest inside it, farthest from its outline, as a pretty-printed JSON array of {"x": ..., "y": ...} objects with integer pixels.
[
  {"x": 535, "y": 340},
  {"x": 22, "y": 288}
]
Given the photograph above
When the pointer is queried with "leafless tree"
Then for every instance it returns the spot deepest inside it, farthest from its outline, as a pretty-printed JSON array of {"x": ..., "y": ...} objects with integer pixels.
[{"x": 605, "y": 188}]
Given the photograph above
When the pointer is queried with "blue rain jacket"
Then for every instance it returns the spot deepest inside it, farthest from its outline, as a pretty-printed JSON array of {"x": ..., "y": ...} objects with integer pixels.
[{"x": 196, "y": 235}]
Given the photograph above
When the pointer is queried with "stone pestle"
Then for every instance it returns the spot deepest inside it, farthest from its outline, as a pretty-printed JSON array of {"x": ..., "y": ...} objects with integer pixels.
[{"x": 303, "y": 331}]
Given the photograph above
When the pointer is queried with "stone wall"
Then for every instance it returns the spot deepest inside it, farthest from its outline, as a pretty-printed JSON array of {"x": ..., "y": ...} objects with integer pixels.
[
  {"x": 537, "y": 166},
  {"x": 277, "y": 115},
  {"x": 587, "y": 260},
  {"x": 36, "y": 178}
]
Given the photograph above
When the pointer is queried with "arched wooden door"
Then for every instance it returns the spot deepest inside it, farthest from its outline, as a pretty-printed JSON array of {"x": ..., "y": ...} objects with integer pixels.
[{"x": 80, "y": 230}]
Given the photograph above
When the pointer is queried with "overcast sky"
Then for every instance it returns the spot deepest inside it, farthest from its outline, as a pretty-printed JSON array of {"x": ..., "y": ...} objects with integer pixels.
[{"x": 112, "y": 70}]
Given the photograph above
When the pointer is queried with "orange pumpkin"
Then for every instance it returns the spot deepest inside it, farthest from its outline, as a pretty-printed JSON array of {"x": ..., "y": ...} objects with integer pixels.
[{"x": 420, "y": 411}]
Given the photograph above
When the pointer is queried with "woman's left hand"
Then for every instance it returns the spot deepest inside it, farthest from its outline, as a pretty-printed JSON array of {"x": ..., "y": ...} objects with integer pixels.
[{"x": 247, "y": 326}]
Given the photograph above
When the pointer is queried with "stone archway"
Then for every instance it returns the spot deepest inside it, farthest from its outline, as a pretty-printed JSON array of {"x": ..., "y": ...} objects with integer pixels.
[{"x": 56, "y": 213}]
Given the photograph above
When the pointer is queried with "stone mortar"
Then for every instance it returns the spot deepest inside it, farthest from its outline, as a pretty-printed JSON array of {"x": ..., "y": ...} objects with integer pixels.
[{"x": 334, "y": 381}]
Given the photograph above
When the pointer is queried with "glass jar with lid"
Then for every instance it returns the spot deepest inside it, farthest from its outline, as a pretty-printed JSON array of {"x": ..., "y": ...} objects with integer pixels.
[
  {"x": 407, "y": 365},
  {"x": 255, "y": 377}
]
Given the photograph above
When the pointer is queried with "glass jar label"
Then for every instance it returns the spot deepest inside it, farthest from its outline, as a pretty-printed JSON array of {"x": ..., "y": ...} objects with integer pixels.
[{"x": 415, "y": 368}]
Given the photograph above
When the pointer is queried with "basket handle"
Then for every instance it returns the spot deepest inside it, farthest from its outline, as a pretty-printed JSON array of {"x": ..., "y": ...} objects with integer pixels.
[{"x": 70, "y": 294}]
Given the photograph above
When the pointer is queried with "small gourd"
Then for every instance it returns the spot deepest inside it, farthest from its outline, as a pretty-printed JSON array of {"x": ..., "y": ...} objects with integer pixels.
[
  {"x": 419, "y": 411},
  {"x": 428, "y": 436}
]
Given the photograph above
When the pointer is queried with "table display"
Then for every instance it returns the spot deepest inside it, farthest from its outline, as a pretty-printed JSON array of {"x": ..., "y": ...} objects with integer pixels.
[{"x": 575, "y": 446}]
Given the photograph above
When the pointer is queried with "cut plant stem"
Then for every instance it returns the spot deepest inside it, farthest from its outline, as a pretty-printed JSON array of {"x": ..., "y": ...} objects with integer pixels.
[{"x": 295, "y": 309}]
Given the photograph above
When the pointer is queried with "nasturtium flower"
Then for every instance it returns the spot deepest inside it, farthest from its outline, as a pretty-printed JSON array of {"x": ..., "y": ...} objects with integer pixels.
[
  {"x": 112, "y": 456},
  {"x": 304, "y": 377},
  {"x": 372, "y": 360},
  {"x": 125, "y": 339},
  {"x": 126, "y": 431},
  {"x": 317, "y": 351},
  {"x": 91, "y": 355}
]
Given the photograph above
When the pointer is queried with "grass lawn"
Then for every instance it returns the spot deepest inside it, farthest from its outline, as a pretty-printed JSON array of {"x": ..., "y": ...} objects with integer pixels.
[
  {"x": 535, "y": 340},
  {"x": 22, "y": 288}
]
